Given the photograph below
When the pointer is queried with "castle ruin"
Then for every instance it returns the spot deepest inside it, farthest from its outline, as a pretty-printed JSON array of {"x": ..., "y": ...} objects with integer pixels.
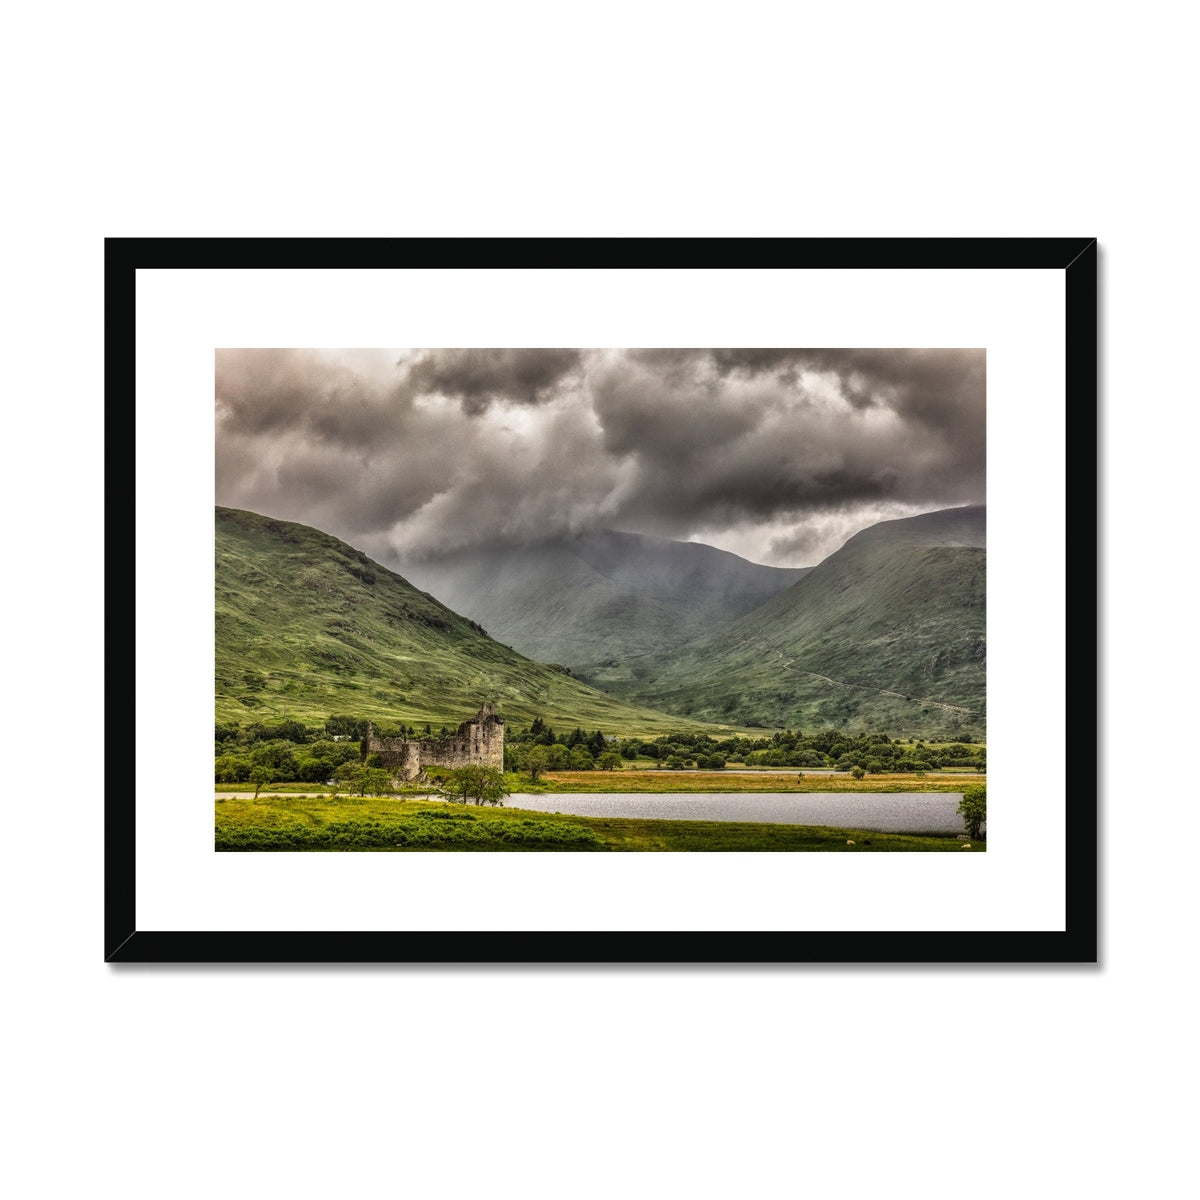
[{"x": 478, "y": 742}]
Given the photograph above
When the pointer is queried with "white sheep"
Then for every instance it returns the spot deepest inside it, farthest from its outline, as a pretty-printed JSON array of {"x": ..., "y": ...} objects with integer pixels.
[{"x": 849, "y": 842}]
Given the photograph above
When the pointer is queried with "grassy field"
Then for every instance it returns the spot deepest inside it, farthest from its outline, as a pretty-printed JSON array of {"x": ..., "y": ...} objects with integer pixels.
[
  {"x": 326, "y": 823},
  {"x": 681, "y": 781}
]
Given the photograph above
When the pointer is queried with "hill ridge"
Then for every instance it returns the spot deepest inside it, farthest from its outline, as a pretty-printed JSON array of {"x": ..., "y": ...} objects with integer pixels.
[
  {"x": 308, "y": 626},
  {"x": 898, "y": 611}
]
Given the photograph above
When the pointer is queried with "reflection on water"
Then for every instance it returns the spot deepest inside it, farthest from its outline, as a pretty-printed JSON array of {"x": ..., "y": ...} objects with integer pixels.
[{"x": 888, "y": 812}]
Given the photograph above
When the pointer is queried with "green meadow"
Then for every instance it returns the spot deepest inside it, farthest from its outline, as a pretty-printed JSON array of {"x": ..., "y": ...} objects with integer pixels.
[{"x": 340, "y": 823}]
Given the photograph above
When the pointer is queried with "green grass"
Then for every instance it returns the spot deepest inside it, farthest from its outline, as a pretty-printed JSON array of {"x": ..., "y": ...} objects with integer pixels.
[{"x": 353, "y": 824}]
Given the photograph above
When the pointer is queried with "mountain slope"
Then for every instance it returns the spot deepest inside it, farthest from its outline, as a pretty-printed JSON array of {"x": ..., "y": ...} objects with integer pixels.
[
  {"x": 589, "y": 602},
  {"x": 308, "y": 627},
  {"x": 888, "y": 633}
]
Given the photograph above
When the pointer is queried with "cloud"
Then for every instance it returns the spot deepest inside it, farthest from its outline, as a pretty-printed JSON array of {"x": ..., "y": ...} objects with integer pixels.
[
  {"x": 480, "y": 378},
  {"x": 736, "y": 436},
  {"x": 269, "y": 393},
  {"x": 771, "y": 453}
]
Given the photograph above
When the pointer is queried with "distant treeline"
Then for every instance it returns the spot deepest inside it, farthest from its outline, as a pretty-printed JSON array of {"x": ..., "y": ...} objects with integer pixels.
[
  {"x": 874, "y": 752},
  {"x": 291, "y": 750}
]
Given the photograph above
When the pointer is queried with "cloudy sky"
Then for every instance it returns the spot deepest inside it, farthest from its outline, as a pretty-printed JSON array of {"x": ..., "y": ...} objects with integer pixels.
[{"x": 776, "y": 455}]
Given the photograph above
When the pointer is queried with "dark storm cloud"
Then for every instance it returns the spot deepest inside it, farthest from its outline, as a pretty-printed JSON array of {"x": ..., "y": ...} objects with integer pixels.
[
  {"x": 942, "y": 389},
  {"x": 726, "y": 435},
  {"x": 479, "y": 378},
  {"x": 752, "y": 360},
  {"x": 771, "y": 452},
  {"x": 931, "y": 386},
  {"x": 666, "y": 403}
]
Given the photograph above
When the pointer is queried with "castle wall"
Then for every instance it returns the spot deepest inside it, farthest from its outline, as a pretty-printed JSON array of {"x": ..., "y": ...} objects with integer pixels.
[
  {"x": 398, "y": 755},
  {"x": 478, "y": 742}
]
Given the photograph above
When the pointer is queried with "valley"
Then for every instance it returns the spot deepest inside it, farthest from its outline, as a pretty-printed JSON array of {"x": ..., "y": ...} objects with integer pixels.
[{"x": 870, "y": 665}]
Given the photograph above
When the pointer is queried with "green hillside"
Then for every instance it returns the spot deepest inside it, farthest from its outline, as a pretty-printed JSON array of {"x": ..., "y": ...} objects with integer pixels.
[
  {"x": 307, "y": 627},
  {"x": 591, "y": 601},
  {"x": 888, "y": 634}
]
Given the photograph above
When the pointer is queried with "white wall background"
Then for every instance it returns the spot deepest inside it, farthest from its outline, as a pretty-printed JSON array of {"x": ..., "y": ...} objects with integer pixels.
[{"x": 623, "y": 119}]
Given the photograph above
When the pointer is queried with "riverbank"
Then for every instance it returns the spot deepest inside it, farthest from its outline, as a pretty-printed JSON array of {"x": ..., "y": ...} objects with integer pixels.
[
  {"x": 737, "y": 781},
  {"x": 279, "y": 823}
]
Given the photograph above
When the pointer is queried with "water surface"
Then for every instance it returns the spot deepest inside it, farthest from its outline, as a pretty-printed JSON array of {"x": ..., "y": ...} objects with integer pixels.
[{"x": 887, "y": 812}]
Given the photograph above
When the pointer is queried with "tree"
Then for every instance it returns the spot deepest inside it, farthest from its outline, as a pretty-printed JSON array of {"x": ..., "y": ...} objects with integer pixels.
[
  {"x": 536, "y": 762},
  {"x": 609, "y": 760},
  {"x": 313, "y": 770},
  {"x": 354, "y": 728},
  {"x": 374, "y": 780},
  {"x": 484, "y": 785},
  {"x": 349, "y": 773},
  {"x": 361, "y": 779},
  {"x": 259, "y": 776},
  {"x": 581, "y": 758},
  {"x": 232, "y": 768},
  {"x": 973, "y": 809}
]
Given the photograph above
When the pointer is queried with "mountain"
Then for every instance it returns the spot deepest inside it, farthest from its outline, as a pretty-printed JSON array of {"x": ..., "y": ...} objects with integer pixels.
[
  {"x": 308, "y": 627},
  {"x": 886, "y": 634},
  {"x": 593, "y": 600}
]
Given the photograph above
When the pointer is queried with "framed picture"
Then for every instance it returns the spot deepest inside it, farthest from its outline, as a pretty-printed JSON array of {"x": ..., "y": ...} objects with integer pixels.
[{"x": 658, "y": 406}]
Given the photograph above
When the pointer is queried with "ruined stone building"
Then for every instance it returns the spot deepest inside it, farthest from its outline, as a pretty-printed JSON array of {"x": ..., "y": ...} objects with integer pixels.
[{"x": 478, "y": 742}]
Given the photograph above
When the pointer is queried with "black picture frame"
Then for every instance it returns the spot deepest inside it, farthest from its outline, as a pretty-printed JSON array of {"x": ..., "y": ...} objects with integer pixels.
[{"x": 1077, "y": 942}]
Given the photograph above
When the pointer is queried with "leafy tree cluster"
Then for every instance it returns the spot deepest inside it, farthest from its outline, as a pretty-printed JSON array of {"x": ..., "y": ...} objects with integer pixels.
[
  {"x": 280, "y": 753},
  {"x": 678, "y": 750},
  {"x": 538, "y": 748},
  {"x": 871, "y": 753},
  {"x": 354, "y": 728},
  {"x": 535, "y": 758},
  {"x": 258, "y": 731}
]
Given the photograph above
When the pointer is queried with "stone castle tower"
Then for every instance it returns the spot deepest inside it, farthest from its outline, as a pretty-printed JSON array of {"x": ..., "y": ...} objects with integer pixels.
[{"x": 478, "y": 742}]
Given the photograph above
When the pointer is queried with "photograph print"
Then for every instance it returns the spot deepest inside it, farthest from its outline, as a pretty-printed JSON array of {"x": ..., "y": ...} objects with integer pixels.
[{"x": 601, "y": 600}]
